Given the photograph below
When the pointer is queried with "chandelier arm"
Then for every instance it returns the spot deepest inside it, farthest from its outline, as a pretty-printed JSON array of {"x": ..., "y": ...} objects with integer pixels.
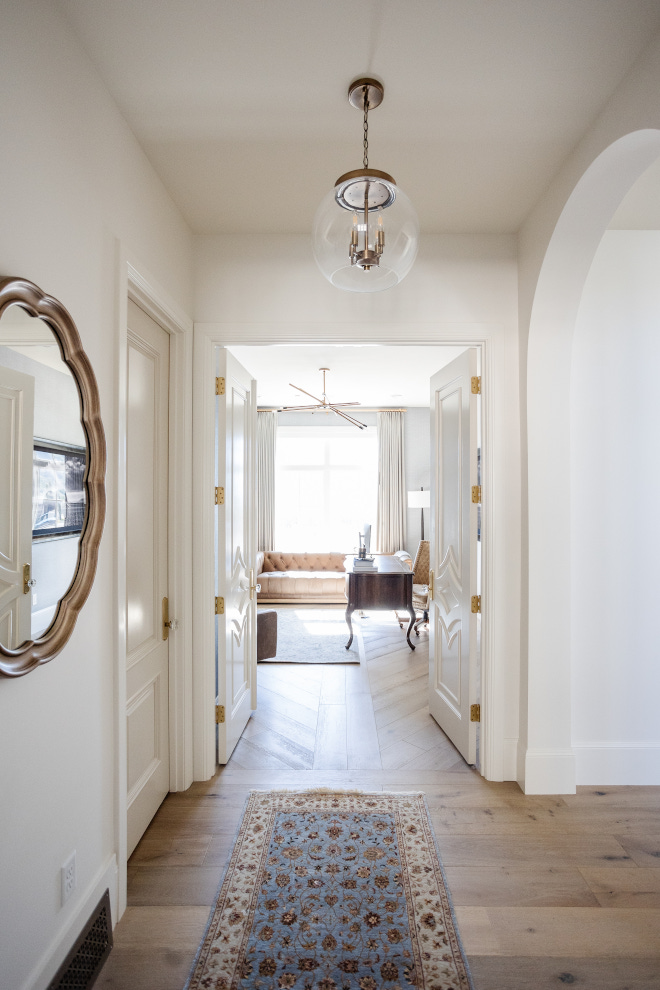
[
  {"x": 353, "y": 422},
  {"x": 299, "y": 408}
]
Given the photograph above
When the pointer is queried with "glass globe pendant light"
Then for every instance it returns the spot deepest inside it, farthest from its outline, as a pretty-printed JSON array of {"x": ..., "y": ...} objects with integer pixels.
[{"x": 366, "y": 230}]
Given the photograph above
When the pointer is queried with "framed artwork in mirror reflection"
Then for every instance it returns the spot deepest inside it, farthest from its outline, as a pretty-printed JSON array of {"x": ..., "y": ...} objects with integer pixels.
[{"x": 58, "y": 493}]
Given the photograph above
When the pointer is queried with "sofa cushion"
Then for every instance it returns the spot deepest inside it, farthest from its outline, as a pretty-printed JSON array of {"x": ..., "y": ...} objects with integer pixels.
[
  {"x": 274, "y": 560},
  {"x": 302, "y": 584}
]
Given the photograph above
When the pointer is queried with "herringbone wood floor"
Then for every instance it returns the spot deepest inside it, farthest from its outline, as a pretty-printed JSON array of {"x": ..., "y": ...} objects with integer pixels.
[
  {"x": 549, "y": 891},
  {"x": 370, "y": 716}
]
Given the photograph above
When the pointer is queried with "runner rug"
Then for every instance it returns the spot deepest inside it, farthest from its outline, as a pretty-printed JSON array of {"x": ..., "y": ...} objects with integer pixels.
[{"x": 330, "y": 890}]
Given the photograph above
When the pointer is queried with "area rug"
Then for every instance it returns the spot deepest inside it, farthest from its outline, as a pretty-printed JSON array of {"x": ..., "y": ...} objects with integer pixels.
[
  {"x": 332, "y": 891},
  {"x": 313, "y": 635}
]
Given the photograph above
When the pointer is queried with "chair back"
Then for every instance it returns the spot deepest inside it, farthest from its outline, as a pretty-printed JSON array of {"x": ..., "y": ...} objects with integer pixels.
[{"x": 422, "y": 563}]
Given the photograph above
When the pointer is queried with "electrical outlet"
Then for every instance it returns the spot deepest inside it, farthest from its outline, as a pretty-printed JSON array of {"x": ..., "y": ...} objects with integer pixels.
[{"x": 68, "y": 872}]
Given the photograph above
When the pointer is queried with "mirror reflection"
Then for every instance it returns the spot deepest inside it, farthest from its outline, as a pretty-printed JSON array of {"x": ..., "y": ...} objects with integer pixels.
[{"x": 42, "y": 468}]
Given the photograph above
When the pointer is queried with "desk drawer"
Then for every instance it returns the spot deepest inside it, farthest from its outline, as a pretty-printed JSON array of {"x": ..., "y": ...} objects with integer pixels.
[{"x": 379, "y": 590}]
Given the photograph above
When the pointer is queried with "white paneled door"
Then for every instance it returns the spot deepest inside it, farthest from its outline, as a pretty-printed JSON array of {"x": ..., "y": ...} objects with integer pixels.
[
  {"x": 236, "y": 640},
  {"x": 147, "y": 659},
  {"x": 16, "y": 441},
  {"x": 453, "y": 625}
]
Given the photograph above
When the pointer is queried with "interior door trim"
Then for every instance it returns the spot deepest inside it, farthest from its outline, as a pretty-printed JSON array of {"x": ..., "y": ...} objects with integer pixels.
[
  {"x": 500, "y": 643},
  {"x": 155, "y": 301}
]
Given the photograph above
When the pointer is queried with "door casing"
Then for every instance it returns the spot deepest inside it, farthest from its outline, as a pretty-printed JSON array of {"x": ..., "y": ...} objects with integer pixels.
[
  {"x": 497, "y": 753},
  {"x": 155, "y": 301}
]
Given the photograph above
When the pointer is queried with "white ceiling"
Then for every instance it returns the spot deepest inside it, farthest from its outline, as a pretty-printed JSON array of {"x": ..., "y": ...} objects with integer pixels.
[
  {"x": 241, "y": 104},
  {"x": 373, "y": 375}
]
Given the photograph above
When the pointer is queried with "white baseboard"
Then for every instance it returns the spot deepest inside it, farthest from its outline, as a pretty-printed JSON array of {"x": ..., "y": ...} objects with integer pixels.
[
  {"x": 549, "y": 772},
  {"x": 56, "y": 953},
  {"x": 617, "y": 763}
]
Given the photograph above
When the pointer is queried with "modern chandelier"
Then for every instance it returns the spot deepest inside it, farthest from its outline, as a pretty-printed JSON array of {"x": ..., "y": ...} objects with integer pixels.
[
  {"x": 366, "y": 230},
  {"x": 324, "y": 405}
]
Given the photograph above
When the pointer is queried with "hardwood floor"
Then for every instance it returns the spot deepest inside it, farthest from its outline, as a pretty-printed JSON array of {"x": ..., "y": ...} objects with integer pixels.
[
  {"x": 548, "y": 891},
  {"x": 370, "y": 716}
]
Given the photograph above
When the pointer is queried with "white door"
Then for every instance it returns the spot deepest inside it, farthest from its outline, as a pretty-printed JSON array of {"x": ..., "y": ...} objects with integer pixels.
[
  {"x": 16, "y": 441},
  {"x": 236, "y": 639},
  {"x": 453, "y": 626},
  {"x": 147, "y": 653}
]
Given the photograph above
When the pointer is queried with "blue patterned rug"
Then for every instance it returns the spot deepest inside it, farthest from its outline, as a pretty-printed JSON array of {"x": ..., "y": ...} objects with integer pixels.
[
  {"x": 313, "y": 635},
  {"x": 332, "y": 891}
]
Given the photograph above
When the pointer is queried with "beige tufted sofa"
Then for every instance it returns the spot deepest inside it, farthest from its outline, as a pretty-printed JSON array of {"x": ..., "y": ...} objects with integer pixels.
[{"x": 301, "y": 577}]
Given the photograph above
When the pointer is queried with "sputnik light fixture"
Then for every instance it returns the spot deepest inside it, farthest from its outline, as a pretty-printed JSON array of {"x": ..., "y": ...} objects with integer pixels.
[
  {"x": 324, "y": 405},
  {"x": 366, "y": 231}
]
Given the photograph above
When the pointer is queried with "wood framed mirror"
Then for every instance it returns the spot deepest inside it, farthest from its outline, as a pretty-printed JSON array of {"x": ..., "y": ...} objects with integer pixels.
[{"x": 52, "y": 476}]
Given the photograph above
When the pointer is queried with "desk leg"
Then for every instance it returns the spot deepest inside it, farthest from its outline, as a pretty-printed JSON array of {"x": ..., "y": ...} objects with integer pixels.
[
  {"x": 410, "y": 628},
  {"x": 349, "y": 613}
]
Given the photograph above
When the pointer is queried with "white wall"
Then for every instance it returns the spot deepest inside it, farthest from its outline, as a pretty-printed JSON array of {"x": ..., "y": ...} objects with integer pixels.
[
  {"x": 258, "y": 289},
  {"x": 615, "y": 539},
  {"x": 268, "y": 279},
  {"x": 75, "y": 187}
]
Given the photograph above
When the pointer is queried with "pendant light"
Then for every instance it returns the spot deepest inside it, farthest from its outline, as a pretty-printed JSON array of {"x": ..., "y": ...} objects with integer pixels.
[{"x": 366, "y": 230}]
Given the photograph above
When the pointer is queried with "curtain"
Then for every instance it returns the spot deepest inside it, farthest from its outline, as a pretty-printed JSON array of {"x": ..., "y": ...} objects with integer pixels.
[
  {"x": 390, "y": 519},
  {"x": 266, "y": 437}
]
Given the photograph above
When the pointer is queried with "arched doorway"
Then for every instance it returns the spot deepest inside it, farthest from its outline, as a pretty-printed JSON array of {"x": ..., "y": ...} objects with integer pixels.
[{"x": 549, "y": 760}]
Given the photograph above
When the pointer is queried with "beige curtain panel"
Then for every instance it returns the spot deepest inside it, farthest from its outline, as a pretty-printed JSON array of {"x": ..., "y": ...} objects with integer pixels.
[
  {"x": 391, "y": 515},
  {"x": 266, "y": 439}
]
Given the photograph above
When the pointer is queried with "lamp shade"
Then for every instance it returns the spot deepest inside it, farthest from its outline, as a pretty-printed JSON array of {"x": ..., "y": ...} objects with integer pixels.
[
  {"x": 419, "y": 500},
  {"x": 334, "y": 223}
]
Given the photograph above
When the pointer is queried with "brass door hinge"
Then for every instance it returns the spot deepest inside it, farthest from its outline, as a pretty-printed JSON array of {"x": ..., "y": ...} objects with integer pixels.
[
  {"x": 476, "y": 494},
  {"x": 219, "y": 496},
  {"x": 475, "y": 603},
  {"x": 219, "y": 386},
  {"x": 475, "y": 713},
  {"x": 476, "y": 385},
  {"x": 219, "y": 714},
  {"x": 219, "y": 606}
]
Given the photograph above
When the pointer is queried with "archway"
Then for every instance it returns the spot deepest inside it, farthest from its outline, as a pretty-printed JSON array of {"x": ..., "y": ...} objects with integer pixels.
[{"x": 549, "y": 764}]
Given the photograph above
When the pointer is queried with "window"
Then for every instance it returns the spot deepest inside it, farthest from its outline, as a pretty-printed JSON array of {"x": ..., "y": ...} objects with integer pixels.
[
  {"x": 58, "y": 495},
  {"x": 326, "y": 482}
]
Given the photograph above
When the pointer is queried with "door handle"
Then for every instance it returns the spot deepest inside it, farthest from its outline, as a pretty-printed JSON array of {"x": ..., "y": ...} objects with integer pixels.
[
  {"x": 431, "y": 585},
  {"x": 28, "y": 582},
  {"x": 168, "y": 624},
  {"x": 253, "y": 587}
]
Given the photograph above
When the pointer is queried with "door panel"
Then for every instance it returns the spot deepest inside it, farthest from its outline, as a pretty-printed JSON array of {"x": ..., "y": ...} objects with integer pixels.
[
  {"x": 16, "y": 445},
  {"x": 236, "y": 631},
  {"x": 147, "y": 660},
  {"x": 453, "y": 686}
]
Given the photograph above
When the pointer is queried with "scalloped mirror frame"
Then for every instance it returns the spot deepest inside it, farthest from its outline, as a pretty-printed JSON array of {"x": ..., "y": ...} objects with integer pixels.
[{"x": 33, "y": 653}]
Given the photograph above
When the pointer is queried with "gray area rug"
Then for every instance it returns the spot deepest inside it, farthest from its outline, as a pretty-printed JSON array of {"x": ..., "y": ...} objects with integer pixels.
[{"x": 313, "y": 635}]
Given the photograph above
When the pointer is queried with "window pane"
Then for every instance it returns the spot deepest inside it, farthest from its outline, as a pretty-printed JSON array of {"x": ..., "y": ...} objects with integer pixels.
[{"x": 325, "y": 490}]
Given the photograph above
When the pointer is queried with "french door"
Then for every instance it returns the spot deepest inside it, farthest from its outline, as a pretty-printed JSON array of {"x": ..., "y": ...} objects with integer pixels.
[
  {"x": 454, "y": 608},
  {"x": 236, "y": 606}
]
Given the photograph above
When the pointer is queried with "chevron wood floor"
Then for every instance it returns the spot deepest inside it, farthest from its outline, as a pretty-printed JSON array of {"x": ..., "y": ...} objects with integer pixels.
[
  {"x": 548, "y": 890},
  {"x": 370, "y": 716}
]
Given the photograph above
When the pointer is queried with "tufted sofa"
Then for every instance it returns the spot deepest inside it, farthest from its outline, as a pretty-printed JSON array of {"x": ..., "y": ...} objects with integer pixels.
[{"x": 301, "y": 577}]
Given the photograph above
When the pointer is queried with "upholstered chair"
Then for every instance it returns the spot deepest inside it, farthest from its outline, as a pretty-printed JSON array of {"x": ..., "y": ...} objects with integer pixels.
[{"x": 421, "y": 567}]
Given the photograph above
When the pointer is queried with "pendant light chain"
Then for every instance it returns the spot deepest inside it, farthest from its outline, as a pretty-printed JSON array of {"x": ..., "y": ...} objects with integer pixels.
[{"x": 365, "y": 159}]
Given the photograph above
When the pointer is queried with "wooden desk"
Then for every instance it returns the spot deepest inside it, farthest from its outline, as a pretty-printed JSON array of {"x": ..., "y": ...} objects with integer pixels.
[{"x": 390, "y": 587}]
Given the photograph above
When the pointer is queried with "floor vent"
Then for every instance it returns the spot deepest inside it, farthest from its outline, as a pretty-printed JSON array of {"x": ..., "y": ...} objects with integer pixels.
[{"x": 83, "y": 964}]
